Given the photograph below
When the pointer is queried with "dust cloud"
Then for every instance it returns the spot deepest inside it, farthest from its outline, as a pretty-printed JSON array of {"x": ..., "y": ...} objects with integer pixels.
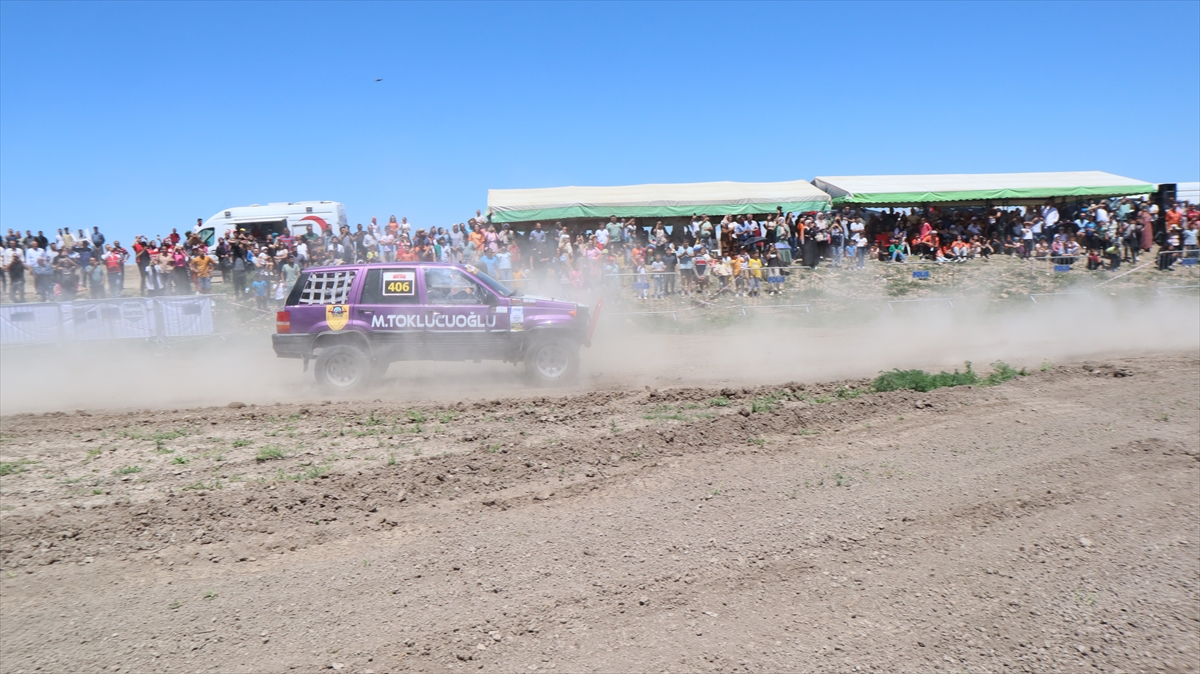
[{"x": 766, "y": 346}]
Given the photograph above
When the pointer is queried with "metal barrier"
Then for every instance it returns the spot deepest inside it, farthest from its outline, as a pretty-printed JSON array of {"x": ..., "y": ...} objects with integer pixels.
[
  {"x": 927, "y": 299},
  {"x": 1034, "y": 296},
  {"x": 185, "y": 316},
  {"x": 109, "y": 319},
  {"x": 128, "y": 318},
  {"x": 1158, "y": 289},
  {"x": 30, "y": 323}
]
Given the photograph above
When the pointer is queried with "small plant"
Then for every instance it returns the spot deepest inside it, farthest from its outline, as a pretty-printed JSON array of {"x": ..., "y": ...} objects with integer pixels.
[
  {"x": 269, "y": 453},
  {"x": 366, "y": 562},
  {"x": 391, "y": 459},
  {"x": 613, "y": 427},
  {"x": 757, "y": 441},
  {"x": 1046, "y": 365},
  {"x": 210, "y": 595},
  {"x": 447, "y": 417},
  {"x": 844, "y": 393},
  {"x": 159, "y": 448},
  {"x": 180, "y": 460},
  {"x": 759, "y": 405},
  {"x": 842, "y": 480},
  {"x": 493, "y": 448},
  {"x": 313, "y": 472},
  {"x": 202, "y": 485},
  {"x": 664, "y": 412},
  {"x": 720, "y": 401},
  {"x": 13, "y": 467},
  {"x": 417, "y": 452},
  {"x": 97, "y": 492},
  {"x": 1001, "y": 372},
  {"x": 416, "y": 417},
  {"x": 175, "y": 604},
  {"x": 1086, "y": 598},
  {"x": 242, "y": 442},
  {"x": 127, "y": 470}
]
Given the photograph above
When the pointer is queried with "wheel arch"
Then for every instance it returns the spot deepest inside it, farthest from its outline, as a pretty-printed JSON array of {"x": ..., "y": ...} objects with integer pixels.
[{"x": 352, "y": 338}]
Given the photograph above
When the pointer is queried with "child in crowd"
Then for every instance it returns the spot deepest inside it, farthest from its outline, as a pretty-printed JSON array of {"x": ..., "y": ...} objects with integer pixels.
[{"x": 259, "y": 288}]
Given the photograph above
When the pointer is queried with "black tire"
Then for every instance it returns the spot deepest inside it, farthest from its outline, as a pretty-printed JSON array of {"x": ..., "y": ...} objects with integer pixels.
[
  {"x": 343, "y": 369},
  {"x": 552, "y": 360}
]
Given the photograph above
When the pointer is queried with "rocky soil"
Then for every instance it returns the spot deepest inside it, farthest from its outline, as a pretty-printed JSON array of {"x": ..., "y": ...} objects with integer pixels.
[{"x": 1046, "y": 524}]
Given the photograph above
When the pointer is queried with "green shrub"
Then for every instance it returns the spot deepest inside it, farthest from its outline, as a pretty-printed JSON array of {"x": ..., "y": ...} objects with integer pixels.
[{"x": 922, "y": 381}]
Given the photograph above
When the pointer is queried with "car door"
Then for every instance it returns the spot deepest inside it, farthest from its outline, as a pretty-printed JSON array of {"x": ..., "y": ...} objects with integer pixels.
[
  {"x": 390, "y": 303},
  {"x": 463, "y": 319}
]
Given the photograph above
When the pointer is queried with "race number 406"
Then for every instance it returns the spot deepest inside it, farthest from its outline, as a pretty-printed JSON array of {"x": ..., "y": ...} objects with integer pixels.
[{"x": 399, "y": 282}]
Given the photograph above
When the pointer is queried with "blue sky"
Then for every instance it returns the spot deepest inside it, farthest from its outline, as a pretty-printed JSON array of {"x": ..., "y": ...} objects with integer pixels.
[{"x": 145, "y": 116}]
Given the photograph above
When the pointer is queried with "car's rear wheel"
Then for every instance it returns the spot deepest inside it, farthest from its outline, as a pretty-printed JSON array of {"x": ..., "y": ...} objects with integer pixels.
[
  {"x": 342, "y": 369},
  {"x": 552, "y": 360}
]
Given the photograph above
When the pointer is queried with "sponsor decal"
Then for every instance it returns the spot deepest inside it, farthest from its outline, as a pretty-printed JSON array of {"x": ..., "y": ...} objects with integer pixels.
[
  {"x": 399, "y": 283},
  {"x": 336, "y": 315},
  {"x": 444, "y": 322},
  {"x": 516, "y": 319}
]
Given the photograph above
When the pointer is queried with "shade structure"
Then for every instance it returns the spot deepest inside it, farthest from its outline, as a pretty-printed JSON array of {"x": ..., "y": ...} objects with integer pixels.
[
  {"x": 654, "y": 201},
  {"x": 912, "y": 190}
]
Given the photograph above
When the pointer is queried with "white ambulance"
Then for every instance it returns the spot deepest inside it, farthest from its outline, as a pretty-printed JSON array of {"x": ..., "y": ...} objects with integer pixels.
[{"x": 260, "y": 221}]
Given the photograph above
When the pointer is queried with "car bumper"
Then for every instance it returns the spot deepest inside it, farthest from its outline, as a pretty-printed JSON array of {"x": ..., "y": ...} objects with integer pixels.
[{"x": 292, "y": 346}]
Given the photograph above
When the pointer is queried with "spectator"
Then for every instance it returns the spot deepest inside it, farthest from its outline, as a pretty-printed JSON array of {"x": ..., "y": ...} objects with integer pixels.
[{"x": 16, "y": 278}]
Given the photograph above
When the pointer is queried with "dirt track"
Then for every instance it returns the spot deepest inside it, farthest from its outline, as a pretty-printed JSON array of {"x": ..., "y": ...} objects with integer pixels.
[{"x": 1046, "y": 524}]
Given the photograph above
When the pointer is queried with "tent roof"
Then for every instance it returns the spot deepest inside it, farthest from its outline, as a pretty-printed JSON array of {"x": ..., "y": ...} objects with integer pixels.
[
  {"x": 968, "y": 187},
  {"x": 654, "y": 201}
]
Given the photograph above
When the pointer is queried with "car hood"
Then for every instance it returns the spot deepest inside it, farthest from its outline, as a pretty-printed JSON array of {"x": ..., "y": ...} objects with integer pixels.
[{"x": 543, "y": 302}]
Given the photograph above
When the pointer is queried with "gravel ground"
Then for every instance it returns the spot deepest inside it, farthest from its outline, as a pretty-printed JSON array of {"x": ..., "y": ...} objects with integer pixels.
[{"x": 1046, "y": 524}]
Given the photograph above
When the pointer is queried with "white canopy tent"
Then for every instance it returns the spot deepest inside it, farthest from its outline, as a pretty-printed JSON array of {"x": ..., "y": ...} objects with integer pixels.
[
  {"x": 1011, "y": 188},
  {"x": 654, "y": 201}
]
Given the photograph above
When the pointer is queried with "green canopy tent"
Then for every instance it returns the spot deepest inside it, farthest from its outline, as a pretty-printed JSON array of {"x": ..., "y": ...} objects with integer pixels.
[
  {"x": 654, "y": 201},
  {"x": 977, "y": 188}
]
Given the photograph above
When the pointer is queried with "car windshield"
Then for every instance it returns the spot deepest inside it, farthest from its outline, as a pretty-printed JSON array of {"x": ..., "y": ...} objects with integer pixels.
[{"x": 500, "y": 289}]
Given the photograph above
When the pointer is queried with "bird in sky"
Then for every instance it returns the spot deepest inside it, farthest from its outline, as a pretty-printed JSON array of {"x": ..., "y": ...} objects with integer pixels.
[{"x": 378, "y": 79}]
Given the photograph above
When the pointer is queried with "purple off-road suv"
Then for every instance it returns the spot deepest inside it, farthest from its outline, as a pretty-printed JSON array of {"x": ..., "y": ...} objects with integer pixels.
[{"x": 354, "y": 320}]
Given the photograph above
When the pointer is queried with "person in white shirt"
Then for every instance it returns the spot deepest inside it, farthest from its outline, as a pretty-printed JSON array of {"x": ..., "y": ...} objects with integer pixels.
[
  {"x": 601, "y": 236},
  {"x": 1050, "y": 216}
]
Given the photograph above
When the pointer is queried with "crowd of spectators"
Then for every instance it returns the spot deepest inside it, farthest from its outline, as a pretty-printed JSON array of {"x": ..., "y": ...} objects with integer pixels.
[{"x": 742, "y": 255}]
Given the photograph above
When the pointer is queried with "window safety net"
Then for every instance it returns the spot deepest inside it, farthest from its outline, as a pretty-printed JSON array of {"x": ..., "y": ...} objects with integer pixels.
[{"x": 327, "y": 287}]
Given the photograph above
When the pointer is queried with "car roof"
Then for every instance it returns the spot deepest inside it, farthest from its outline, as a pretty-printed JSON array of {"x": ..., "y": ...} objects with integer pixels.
[{"x": 367, "y": 265}]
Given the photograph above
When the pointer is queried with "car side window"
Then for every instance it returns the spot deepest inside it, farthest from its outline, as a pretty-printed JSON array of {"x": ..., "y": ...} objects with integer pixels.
[
  {"x": 390, "y": 286},
  {"x": 327, "y": 287},
  {"x": 451, "y": 286}
]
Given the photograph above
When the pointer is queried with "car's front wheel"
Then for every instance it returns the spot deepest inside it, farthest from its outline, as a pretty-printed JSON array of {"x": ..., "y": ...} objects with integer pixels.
[
  {"x": 342, "y": 369},
  {"x": 552, "y": 360}
]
